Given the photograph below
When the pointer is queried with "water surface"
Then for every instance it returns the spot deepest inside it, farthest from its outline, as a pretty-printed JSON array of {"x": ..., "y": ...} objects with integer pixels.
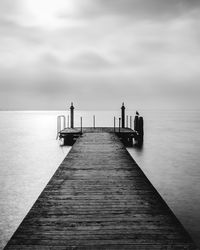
[{"x": 30, "y": 155}]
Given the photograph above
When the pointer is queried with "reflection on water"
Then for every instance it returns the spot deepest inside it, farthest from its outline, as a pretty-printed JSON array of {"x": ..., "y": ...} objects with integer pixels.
[
  {"x": 170, "y": 159},
  {"x": 30, "y": 155}
]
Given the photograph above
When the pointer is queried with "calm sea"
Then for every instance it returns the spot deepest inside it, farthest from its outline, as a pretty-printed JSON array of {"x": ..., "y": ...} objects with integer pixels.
[{"x": 30, "y": 154}]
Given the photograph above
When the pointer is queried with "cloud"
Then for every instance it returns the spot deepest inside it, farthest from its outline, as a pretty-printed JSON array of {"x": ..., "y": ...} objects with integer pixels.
[
  {"x": 142, "y": 51},
  {"x": 88, "y": 60},
  {"x": 9, "y": 8},
  {"x": 134, "y": 9}
]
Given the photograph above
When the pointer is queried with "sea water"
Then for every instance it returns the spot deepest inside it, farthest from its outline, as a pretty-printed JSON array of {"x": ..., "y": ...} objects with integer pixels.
[{"x": 30, "y": 154}]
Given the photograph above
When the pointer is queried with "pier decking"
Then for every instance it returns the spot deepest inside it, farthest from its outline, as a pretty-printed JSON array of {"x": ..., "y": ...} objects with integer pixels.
[
  {"x": 99, "y": 199},
  {"x": 71, "y": 134}
]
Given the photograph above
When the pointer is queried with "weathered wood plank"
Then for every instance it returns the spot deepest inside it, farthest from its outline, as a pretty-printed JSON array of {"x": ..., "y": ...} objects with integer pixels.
[{"x": 99, "y": 199}]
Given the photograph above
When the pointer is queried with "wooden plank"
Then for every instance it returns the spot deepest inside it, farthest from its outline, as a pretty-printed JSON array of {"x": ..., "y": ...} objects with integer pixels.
[
  {"x": 99, "y": 199},
  {"x": 96, "y": 130},
  {"x": 77, "y": 131}
]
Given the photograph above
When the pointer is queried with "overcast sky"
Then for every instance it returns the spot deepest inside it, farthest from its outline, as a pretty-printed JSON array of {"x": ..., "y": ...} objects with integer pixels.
[{"x": 99, "y": 53}]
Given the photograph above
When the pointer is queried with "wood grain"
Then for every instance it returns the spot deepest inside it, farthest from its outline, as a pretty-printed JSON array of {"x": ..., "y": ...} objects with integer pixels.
[{"x": 99, "y": 199}]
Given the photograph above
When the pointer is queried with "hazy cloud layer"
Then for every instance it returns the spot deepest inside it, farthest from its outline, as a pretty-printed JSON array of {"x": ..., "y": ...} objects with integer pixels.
[
  {"x": 99, "y": 53},
  {"x": 143, "y": 9}
]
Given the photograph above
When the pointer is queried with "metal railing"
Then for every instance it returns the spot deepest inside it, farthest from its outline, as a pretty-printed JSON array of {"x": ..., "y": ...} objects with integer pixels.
[{"x": 61, "y": 124}]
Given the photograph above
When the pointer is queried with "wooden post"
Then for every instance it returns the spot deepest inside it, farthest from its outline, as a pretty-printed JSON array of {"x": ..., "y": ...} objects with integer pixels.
[
  {"x": 93, "y": 121},
  {"x": 64, "y": 122},
  {"x": 119, "y": 124},
  {"x": 68, "y": 121},
  {"x": 123, "y": 115},
  {"x": 114, "y": 123},
  {"x": 72, "y": 115},
  {"x": 140, "y": 126},
  {"x": 136, "y": 123},
  {"x": 130, "y": 122},
  {"x": 81, "y": 125},
  {"x": 140, "y": 131}
]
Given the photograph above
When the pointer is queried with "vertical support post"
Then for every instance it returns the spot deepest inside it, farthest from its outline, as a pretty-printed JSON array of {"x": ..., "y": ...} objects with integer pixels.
[
  {"x": 58, "y": 125},
  {"x": 140, "y": 131},
  {"x": 130, "y": 122},
  {"x": 123, "y": 115},
  {"x": 72, "y": 115},
  {"x": 127, "y": 121},
  {"x": 64, "y": 122},
  {"x": 93, "y": 121},
  {"x": 136, "y": 125},
  {"x": 81, "y": 125},
  {"x": 119, "y": 124},
  {"x": 114, "y": 123},
  {"x": 68, "y": 121},
  {"x": 141, "y": 126}
]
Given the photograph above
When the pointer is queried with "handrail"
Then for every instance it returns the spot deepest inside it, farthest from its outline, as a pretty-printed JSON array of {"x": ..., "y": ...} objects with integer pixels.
[{"x": 61, "y": 124}]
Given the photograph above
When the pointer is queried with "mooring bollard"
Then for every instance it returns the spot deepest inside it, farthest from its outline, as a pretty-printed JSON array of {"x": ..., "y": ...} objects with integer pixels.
[
  {"x": 72, "y": 115},
  {"x": 123, "y": 115}
]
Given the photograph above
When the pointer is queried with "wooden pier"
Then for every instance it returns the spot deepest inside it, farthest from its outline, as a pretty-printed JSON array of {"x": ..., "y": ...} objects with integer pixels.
[
  {"x": 99, "y": 199},
  {"x": 71, "y": 134}
]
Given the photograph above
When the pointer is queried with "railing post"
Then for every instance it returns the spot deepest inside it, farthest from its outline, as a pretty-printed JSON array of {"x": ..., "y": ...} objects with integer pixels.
[
  {"x": 119, "y": 124},
  {"x": 64, "y": 122},
  {"x": 93, "y": 121},
  {"x": 114, "y": 123},
  {"x": 68, "y": 121},
  {"x": 58, "y": 125},
  {"x": 81, "y": 125},
  {"x": 60, "y": 119},
  {"x": 127, "y": 121},
  {"x": 131, "y": 122}
]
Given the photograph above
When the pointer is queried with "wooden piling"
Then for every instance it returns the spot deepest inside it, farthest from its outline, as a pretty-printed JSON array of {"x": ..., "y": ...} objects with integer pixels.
[
  {"x": 136, "y": 123},
  {"x": 140, "y": 126}
]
